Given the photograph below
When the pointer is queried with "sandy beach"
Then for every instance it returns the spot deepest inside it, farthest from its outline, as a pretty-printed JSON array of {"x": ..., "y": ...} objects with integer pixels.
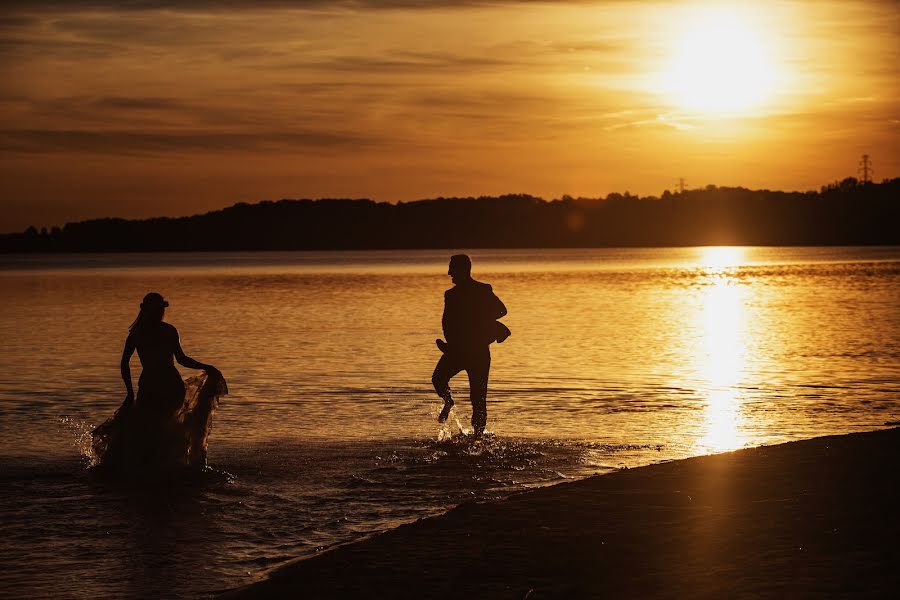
[{"x": 810, "y": 519}]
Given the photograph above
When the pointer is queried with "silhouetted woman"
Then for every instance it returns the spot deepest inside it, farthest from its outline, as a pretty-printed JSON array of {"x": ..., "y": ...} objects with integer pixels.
[{"x": 167, "y": 424}]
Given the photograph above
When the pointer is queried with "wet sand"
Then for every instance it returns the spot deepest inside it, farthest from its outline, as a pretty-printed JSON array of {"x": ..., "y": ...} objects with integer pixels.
[{"x": 810, "y": 519}]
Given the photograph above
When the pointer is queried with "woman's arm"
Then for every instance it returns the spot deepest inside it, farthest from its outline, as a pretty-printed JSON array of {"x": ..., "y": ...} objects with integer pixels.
[
  {"x": 125, "y": 367},
  {"x": 186, "y": 361}
]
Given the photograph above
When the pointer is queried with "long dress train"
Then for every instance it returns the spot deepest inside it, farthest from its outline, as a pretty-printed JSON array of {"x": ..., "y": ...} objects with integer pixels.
[{"x": 168, "y": 426}]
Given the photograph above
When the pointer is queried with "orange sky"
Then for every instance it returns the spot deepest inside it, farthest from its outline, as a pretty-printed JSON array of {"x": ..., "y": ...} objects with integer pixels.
[{"x": 171, "y": 108}]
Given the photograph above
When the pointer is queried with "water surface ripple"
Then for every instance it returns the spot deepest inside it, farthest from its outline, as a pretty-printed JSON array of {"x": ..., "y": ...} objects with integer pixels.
[{"x": 618, "y": 358}]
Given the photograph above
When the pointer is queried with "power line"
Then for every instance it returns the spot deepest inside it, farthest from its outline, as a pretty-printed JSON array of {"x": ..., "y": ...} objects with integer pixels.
[{"x": 681, "y": 185}]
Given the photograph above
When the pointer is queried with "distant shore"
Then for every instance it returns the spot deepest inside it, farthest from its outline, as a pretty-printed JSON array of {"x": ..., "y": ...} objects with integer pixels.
[
  {"x": 810, "y": 519},
  {"x": 846, "y": 213}
]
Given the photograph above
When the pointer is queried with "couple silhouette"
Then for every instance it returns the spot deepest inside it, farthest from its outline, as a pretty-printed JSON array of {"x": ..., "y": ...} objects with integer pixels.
[{"x": 169, "y": 420}]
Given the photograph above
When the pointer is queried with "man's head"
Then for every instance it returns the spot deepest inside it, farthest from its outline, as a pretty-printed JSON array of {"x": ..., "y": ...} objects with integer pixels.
[{"x": 460, "y": 268}]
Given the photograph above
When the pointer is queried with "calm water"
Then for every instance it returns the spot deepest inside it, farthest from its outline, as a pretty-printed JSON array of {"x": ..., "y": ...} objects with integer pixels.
[{"x": 617, "y": 358}]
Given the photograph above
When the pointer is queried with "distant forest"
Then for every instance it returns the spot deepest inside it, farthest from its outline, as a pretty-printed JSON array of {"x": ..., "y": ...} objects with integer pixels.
[{"x": 844, "y": 213}]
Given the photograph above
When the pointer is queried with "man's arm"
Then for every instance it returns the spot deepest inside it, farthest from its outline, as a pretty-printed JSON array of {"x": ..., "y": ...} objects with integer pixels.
[
  {"x": 445, "y": 318},
  {"x": 496, "y": 308}
]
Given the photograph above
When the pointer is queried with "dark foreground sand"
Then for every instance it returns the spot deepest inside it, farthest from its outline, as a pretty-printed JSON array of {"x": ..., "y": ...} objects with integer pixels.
[{"x": 811, "y": 519}]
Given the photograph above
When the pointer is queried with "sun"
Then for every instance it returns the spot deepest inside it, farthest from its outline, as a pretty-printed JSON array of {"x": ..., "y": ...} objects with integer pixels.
[{"x": 720, "y": 62}]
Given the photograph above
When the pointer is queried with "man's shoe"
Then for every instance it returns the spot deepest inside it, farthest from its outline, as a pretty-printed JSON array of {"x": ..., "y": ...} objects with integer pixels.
[{"x": 445, "y": 412}]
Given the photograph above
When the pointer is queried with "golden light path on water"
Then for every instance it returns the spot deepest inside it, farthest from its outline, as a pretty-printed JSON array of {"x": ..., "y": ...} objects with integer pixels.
[{"x": 721, "y": 349}]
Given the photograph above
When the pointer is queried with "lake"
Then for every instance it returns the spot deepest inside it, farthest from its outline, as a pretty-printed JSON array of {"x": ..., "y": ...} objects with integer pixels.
[{"x": 618, "y": 358}]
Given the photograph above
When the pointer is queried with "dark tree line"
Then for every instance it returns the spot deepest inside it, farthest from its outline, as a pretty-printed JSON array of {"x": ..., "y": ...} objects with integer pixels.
[{"x": 844, "y": 213}]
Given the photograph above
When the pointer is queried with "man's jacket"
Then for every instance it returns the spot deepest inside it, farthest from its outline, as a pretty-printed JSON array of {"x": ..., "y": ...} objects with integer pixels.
[{"x": 470, "y": 309}]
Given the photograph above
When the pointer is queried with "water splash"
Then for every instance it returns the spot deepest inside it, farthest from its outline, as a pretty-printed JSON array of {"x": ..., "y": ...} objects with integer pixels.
[
  {"x": 445, "y": 432},
  {"x": 452, "y": 428},
  {"x": 79, "y": 432}
]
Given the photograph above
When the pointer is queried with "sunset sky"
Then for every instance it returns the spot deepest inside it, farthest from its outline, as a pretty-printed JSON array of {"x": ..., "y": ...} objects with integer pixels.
[{"x": 150, "y": 108}]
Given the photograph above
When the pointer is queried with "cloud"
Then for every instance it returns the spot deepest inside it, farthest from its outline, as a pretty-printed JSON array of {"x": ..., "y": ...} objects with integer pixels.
[
  {"x": 15, "y": 21},
  {"x": 138, "y": 103},
  {"x": 130, "y": 112},
  {"x": 45, "y": 141},
  {"x": 416, "y": 63},
  {"x": 663, "y": 122},
  {"x": 25, "y": 46},
  {"x": 211, "y": 5}
]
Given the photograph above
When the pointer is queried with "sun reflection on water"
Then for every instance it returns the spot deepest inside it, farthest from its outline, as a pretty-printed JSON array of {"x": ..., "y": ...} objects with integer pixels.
[
  {"x": 715, "y": 258},
  {"x": 721, "y": 349}
]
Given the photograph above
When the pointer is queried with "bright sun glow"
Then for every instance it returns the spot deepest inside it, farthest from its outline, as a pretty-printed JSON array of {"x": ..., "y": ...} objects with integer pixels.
[{"x": 720, "y": 63}]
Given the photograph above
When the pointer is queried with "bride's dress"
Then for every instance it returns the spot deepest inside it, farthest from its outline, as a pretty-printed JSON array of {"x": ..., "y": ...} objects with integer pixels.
[{"x": 168, "y": 426}]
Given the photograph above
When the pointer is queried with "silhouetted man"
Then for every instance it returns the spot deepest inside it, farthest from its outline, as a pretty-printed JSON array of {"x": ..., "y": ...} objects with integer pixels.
[{"x": 470, "y": 325}]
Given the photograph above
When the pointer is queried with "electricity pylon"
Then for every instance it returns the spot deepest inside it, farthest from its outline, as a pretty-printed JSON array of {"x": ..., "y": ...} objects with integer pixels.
[{"x": 865, "y": 169}]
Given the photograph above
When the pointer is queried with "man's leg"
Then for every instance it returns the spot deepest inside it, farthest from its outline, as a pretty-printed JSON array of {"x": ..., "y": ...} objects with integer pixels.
[
  {"x": 478, "y": 367},
  {"x": 446, "y": 368}
]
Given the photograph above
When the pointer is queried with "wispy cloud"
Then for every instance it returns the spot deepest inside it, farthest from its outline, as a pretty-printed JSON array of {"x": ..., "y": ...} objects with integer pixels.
[
  {"x": 137, "y": 5},
  {"x": 33, "y": 141}
]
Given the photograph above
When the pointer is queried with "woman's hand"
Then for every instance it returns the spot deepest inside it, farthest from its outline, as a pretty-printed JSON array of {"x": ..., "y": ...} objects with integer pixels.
[{"x": 212, "y": 371}]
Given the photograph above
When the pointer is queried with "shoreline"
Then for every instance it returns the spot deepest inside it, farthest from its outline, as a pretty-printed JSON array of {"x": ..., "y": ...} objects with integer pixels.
[{"x": 812, "y": 518}]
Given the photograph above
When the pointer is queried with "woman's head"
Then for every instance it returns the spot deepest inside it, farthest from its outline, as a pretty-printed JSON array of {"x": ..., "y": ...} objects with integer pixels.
[{"x": 153, "y": 307}]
